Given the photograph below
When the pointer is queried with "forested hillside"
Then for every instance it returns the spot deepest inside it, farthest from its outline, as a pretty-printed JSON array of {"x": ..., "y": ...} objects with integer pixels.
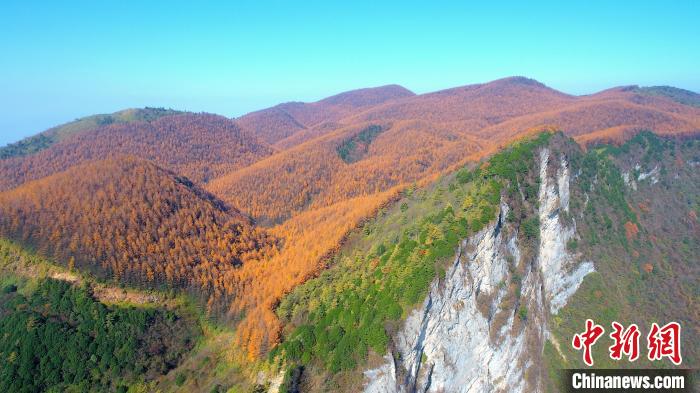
[
  {"x": 318, "y": 173},
  {"x": 199, "y": 146},
  {"x": 277, "y": 125},
  {"x": 130, "y": 220},
  {"x": 512, "y": 105},
  {"x": 77, "y": 342},
  {"x": 681, "y": 96},
  {"x": 425, "y": 134},
  {"x": 625, "y": 201},
  {"x": 55, "y": 335},
  {"x": 637, "y": 208},
  {"x": 309, "y": 232},
  {"x": 339, "y": 321},
  {"x": 47, "y": 138}
]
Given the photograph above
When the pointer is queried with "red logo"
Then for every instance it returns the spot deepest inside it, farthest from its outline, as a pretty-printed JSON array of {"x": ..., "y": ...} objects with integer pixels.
[
  {"x": 665, "y": 342},
  {"x": 586, "y": 340},
  {"x": 662, "y": 342},
  {"x": 626, "y": 342}
]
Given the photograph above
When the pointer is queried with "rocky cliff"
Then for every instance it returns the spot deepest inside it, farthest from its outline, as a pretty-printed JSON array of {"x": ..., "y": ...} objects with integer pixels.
[
  {"x": 478, "y": 282},
  {"x": 467, "y": 336}
]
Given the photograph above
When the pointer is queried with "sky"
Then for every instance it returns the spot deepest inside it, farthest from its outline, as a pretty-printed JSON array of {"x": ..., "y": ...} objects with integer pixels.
[{"x": 64, "y": 60}]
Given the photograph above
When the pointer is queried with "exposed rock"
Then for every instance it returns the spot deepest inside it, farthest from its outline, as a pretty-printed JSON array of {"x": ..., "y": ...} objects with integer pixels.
[
  {"x": 450, "y": 345},
  {"x": 652, "y": 175}
]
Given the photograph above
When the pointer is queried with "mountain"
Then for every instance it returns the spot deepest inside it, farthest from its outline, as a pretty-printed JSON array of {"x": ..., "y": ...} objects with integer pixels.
[
  {"x": 508, "y": 106},
  {"x": 486, "y": 275},
  {"x": 200, "y": 146},
  {"x": 460, "y": 110},
  {"x": 487, "y": 103},
  {"x": 613, "y": 115},
  {"x": 315, "y": 174},
  {"x": 47, "y": 138},
  {"x": 681, "y": 96},
  {"x": 315, "y": 241},
  {"x": 129, "y": 220},
  {"x": 271, "y": 125},
  {"x": 424, "y": 134},
  {"x": 280, "y": 122}
]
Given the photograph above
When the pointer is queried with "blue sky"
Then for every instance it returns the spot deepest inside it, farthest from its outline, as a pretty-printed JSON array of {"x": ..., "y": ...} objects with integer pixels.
[{"x": 62, "y": 61}]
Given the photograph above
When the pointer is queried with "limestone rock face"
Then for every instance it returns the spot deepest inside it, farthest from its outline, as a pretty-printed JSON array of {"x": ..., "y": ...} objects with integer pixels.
[{"x": 461, "y": 339}]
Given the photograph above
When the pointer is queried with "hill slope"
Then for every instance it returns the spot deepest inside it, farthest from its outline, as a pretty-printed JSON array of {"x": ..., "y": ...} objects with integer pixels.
[
  {"x": 61, "y": 331},
  {"x": 681, "y": 96},
  {"x": 130, "y": 220},
  {"x": 515, "y": 104},
  {"x": 317, "y": 173},
  {"x": 422, "y": 135},
  {"x": 457, "y": 281},
  {"x": 199, "y": 146},
  {"x": 47, "y": 138},
  {"x": 275, "y": 124}
]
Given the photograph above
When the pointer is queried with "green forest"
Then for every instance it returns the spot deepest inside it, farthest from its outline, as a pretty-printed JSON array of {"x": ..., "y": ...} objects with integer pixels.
[{"x": 60, "y": 339}]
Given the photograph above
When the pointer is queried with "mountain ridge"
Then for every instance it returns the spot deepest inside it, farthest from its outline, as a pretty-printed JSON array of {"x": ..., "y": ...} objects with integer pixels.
[
  {"x": 302, "y": 115},
  {"x": 200, "y": 146},
  {"x": 55, "y": 134}
]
